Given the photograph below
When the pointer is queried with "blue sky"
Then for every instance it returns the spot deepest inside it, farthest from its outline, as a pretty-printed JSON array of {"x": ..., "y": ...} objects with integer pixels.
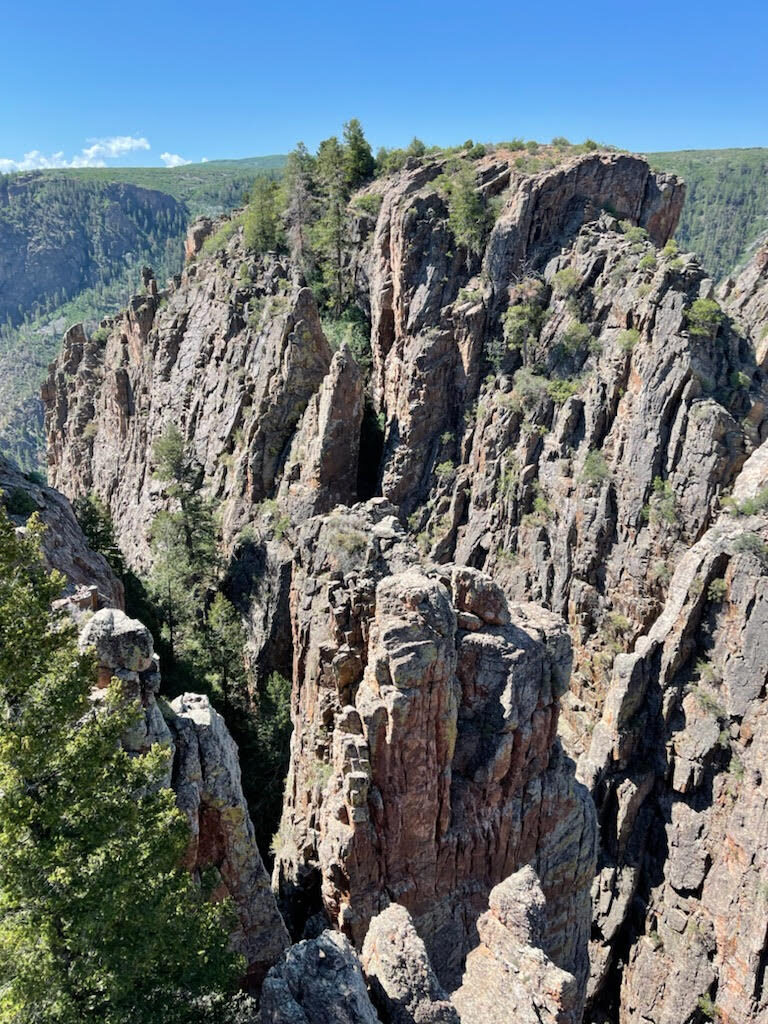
[{"x": 154, "y": 83}]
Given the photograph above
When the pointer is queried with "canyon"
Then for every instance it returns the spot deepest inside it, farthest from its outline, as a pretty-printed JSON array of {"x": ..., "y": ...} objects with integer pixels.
[{"x": 516, "y": 570}]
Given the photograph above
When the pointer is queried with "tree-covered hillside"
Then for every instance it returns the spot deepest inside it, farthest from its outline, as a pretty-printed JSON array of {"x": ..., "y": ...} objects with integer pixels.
[
  {"x": 726, "y": 209},
  {"x": 72, "y": 245}
]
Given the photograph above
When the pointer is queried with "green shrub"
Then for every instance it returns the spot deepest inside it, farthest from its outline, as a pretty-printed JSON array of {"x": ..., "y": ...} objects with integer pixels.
[
  {"x": 739, "y": 380},
  {"x": 750, "y": 543},
  {"x": 565, "y": 282},
  {"x": 661, "y": 572},
  {"x": 219, "y": 239},
  {"x": 445, "y": 470},
  {"x": 100, "y": 335},
  {"x": 575, "y": 336},
  {"x": 662, "y": 507},
  {"x": 670, "y": 250},
  {"x": 560, "y": 390},
  {"x": 369, "y": 203},
  {"x": 704, "y": 318},
  {"x": 19, "y": 503},
  {"x": 647, "y": 261},
  {"x": 595, "y": 468},
  {"x": 633, "y": 232},
  {"x": 628, "y": 339},
  {"x": 709, "y": 1009},
  {"x": 530, "y": 387},
  {"x": 717, "y": 590},
  {"x": 750, "y": 506}
]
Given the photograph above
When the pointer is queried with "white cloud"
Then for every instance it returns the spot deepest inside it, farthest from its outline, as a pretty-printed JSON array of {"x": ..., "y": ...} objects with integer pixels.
[
  {"x": 204, "y": 160},
  {"x": 114, "y": 147},
  {"x": 94, "y": 155},
  {"x": 173, "y": 160}
]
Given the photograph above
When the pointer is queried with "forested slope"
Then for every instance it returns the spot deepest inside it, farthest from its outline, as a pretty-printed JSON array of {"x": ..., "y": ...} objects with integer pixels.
[{"x": 726, "y": 208}]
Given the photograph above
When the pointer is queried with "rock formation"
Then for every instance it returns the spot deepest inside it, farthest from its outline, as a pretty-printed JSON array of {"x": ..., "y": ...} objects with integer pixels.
[
  {"x": 507, "y": 976},
  {"x": 64, "y": 546},
  {"x": 424, "y": 765},
  {"x": 205, "y": 774},
  {"x": 573, "y": 473}
]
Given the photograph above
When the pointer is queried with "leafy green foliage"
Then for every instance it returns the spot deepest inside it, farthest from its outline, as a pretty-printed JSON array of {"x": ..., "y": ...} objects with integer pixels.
[
  {"x": 566, "y": 282},
  {"x": 628, "y": 339},
  {"x": 595, "y": 469},
  {"x": 351, "y": 329},
  {"x": 96, "y": 523},
  {"x": 98, "y": 921},
  {"x": 750, "y": 543},
  {"x": 19, "y": 503},
  {"x": 662, "y": 508},
  {"x": 704, "y": 318},
  {"x": 468, "y": 216},
  {"x": 261, "y": 220},
  {"x": 359, "y": 164}
]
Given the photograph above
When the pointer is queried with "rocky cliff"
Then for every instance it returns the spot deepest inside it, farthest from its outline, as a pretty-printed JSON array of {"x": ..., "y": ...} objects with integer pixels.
[{"x": 564, "y": 557}]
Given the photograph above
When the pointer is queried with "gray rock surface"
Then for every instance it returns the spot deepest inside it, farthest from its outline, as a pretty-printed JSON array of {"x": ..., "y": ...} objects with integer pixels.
[
  {"x": 64, "y": 545},
  {"x": 318, "y": 981},
  {"x": 508, "y": 977},
  {"x": 403, "y": 984}
]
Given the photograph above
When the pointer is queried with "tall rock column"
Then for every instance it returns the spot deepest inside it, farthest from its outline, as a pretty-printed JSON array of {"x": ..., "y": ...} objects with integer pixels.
[{"x": 426, "y": 769}]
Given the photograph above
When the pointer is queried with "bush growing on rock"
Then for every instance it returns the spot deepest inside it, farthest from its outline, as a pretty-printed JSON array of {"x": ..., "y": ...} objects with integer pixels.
[
  {"x": 595, "y": 469},
  {"x": 704, "y": 318}
]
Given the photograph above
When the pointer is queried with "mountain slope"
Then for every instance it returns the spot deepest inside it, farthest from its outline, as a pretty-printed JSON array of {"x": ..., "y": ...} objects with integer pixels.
[{"x": 72, "y": 245}]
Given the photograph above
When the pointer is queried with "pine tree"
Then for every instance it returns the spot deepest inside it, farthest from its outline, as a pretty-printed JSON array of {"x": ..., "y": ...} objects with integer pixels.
[
  {"x": 98, "y": 922},
  {"x": 468, "y": 215},
  {"x": 300, "y": 207},
  {"x": 186, "y": 563},
  {"x": 261, "y": 224},
  {"x": 358, "y": 159},
  {"x": 331, "y": 232}
]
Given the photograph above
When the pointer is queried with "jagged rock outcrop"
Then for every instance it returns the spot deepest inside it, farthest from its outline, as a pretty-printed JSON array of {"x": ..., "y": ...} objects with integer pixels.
[
  {"x": 403, "y": 984},
  {"x": 232, "y": 359},
  {"x": 427, "y": 340},
  {"x": 584, "y": 475},
  {"x": 321, "y": 468},
  {"x": 208, "y": 789},
  {"x": 64, "y": 546},
  {"x": 565, "y": 413},
  {"x": 676, "y": 765},
  {"x": 746, "y": 297},
  {"x": 424, "y": 764},
  {"x": 205, "y": 774},
  {"x": 508, "y": 977},
  {"x": 319, "y": 981}
]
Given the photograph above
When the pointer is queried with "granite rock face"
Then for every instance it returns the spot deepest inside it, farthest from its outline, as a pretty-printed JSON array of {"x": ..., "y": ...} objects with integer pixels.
[
  {"x": 400, "y": 977},
  {"x": 746, "y": 298},
  {"x": 424, "y": 765},
  {"x": 64, "y": 546},
  {"x": 566, "y": 558},
  {"x": 676, "y": 766},
  {"x": 507, "y": 976},
  {"x": 208, "y": 789},
  {"x": 432, "y": 309},
  {"x": 318, "y": 981},
  {"x": 232, "y": 359}
]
